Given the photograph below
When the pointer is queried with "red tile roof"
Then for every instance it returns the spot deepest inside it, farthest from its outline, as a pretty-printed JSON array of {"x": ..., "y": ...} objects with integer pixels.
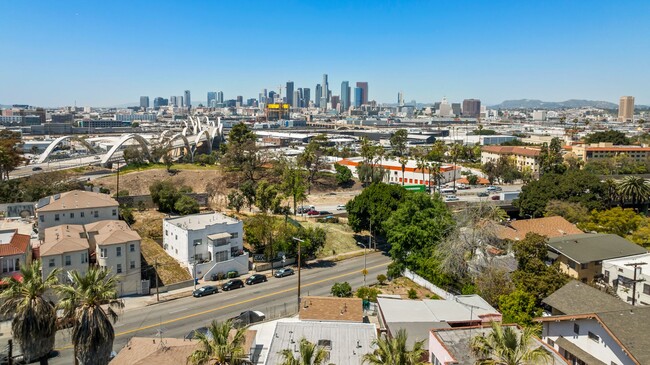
[
  {"x": 547, "y": 226},
  {"x": 18, "y": 245}
]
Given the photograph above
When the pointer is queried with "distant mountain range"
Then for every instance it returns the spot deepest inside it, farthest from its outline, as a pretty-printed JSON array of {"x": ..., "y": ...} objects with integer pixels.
[{"x": 538, "y": 104}]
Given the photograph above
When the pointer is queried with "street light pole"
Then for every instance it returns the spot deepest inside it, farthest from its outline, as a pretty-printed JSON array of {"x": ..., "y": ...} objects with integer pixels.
[
  {"x": 194, "y": 244},
  {"x": 365, "y": 254},
  {"x": 299, "y": 242}
]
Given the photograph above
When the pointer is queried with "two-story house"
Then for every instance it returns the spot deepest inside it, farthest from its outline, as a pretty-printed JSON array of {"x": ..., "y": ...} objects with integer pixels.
[
  {"x": 620, "y": 275},
  {"x": 65, "y": 247},
  {"x": 75, "y": 207},
  {"x": 207, "y": 243},
  {"x": 15, "y": 251}
]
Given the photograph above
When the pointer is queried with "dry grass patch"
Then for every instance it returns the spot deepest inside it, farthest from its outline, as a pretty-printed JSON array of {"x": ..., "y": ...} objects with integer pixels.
[
  {"x": 340, "y": 238},
  {"x": 169, "y": 270},
  {"x": 401, "y": 287}
]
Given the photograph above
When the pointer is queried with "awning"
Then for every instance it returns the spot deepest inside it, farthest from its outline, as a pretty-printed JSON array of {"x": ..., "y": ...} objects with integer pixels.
[
  {"x": 218, "y": 236},
  {"x": 578, "y": 352}
]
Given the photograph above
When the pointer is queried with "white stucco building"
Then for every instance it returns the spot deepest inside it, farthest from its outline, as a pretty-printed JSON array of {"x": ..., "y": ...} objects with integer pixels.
[
  {"x": 619, "y": 274},
  {"x": 212, "y": 242}
]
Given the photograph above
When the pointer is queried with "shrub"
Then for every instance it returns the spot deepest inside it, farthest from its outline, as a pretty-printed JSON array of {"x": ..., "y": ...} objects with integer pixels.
[
  {"x": 341, "y": 290},
  {"x": 412, "y": 294},
  {"x": 368, "y": 293},
  {"x": 381, "y": 278}
]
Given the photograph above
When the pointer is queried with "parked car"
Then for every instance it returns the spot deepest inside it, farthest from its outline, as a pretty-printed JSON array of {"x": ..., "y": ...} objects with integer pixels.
[
  {"x": 232, "y": 284},
  {"x": 447, "y": 191},
  {"x": 325, "y": 212},
  {"x": 246, "y": 318},
  {"x": 495, "y": 197},
  {"x": 205, "y": 290},
  {"x": 340, "y": 207},
  {"x": 302, "y": 210},
  {"x": 193, "y": 333},
  {"x": 256, "y": 279},
  {"x": 283, "y": 272},
  {"x": 451, "y": 198},
  {"x": 313, "y": 212},
  {"x": 483, "y": 193},
  {"x": 491, "y": 188},
  {"x": 37, "y": 168}
]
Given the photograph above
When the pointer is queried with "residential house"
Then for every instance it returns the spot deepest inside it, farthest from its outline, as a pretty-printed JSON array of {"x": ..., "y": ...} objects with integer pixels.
[
  {"x": 550, "y": 227},
  {"x": 602, "y": 338},
  {"x": 576, "y": 297},
  {"x": 581, "y": 255},
  {"x": 208, "y": 243},
  {"x": 65, "y": 247},
  {"x": 452, "y": 345},
  {"x": 418, "y": 317},
  {"x": 603, "y": 150},
  {"x": 15, "y": 250},
  {"x": 75, "y": 207},
  {"x": 412, "y": 174},
  {"x": 620, "y": 275},
  {"x": 159, "y": 351},
  {"x": 524, "y": 157},
  {"x": 331, "y": 309}
]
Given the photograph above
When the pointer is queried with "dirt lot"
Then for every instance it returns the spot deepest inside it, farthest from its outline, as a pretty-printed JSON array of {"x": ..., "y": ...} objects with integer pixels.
[
  {"x": 340, "y": 238},
  {"x": 137, "y": 182},
  {"x": 401, "y": 286}
]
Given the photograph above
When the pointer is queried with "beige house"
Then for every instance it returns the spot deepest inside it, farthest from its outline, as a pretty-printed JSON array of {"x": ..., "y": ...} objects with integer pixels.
[
  {"x": 523, "y": 156},
  {"x": 75, "y": 207},
  {"x": 65, "y": 247},
  {"x": 15, "y": 251},
  {"x": 603, "y": 150}
]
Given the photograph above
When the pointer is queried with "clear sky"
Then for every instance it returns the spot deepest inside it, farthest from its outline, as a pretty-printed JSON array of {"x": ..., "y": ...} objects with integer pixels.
[{"x": 102, "y": 53}]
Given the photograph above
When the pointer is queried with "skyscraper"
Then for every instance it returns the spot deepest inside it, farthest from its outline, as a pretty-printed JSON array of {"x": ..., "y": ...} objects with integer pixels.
[
  {"x": 445, "y": 109},
  {"x": 289, "y": 89},
  {"x": 455, "y": 109},
  {"x": 626, "y": 109},
  {"x": 220, "y": 97},
  {"x": 306, "y": 97},
  {"x": 364, "y": 87},
  {"x": 212, "y": 99},
  {"x": 144, "y": 102},
  {"x": 176, "y": 101},
  {"x": 400, "y": 98},
  {"x": 324, "y": 95},
  {"x": 158, "y": 102},
  {"x": 271, "y": 97},
  {"x": 335, "y": 100},
  {"x": 188, "y": 100},
  {"x": 240, "y": 100},
  {"x": 345, "y": 95},
  {"x": 317, "y": 96},
  {"x": 471, "y": 108},
  {"x": 358, "y": 97},
  {"x": 295, "y": 98}
]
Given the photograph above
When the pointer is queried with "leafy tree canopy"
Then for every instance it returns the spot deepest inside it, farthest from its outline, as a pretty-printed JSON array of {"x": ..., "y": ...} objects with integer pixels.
[
  {"x": 341, "y": 290},
  {"x": 343, "y": 174},
  {"x": 572, "y": 212},
  {"x": 375, "y": 204},
  {"x": 186, "y": 205},
  {"x": 616, "y": 220},
  {"x": 611, "y": 136}
]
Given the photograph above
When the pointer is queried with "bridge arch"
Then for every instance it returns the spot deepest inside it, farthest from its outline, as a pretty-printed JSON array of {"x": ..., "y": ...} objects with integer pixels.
[
  {"x": 126, "y": 137},
  {"x": 164, "y": 134},
  {"x": 207, "y": 138},
  {"x": 185, "y": 141},
  {"x": 58, "y": 141}
]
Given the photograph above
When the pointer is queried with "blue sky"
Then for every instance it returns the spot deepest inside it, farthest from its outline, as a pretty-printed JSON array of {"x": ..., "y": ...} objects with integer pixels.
[{"x": 111, "y": 52}]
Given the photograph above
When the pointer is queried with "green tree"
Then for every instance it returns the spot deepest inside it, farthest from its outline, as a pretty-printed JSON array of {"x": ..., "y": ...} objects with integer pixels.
[
  {"x": 235, "y": 201},
  {"x": 368, "y": 293},
  {"x": 472, "y": 179},
  {"x": 550, "y": 158},
  {"x": 341, "y": 290},
  {"x": 266, "y": 196},
  {"x": 164, "y": 194},
  {"x": 249, "y": 192},
  {"x": 10, "y": 155},
  {"x": 611, "y": 136},
  {"x": 186, "y": 205},
  {"x": 313, "y": 158},
  {"x": 33, "y": 323},
  {"x": 617, "y": 220},
  {"x": 635, "y": 189},
  {"x": 343, "y": 175},
  {"x": 293, "y": 184},
  {"x": 223, "y": 345},
  {"x": 572, "y": 212},
  {"x": 503, "y": 346},
  {"x": 315, "y": 238},
  {"x": 398, "y": 142},
  {"x": 309, "y": 354},
  {"x": 242, "y": 154},
  {"x": 134, "y": 156},
  {"x": 381, "y": 279},
  {"x": 373, "y": 206},
  {"x": 519, "y": 307},
  {"x": 126, "y": 214},
  {"x": 90, "y": 300},
  {"x": 394, "y": 351}
]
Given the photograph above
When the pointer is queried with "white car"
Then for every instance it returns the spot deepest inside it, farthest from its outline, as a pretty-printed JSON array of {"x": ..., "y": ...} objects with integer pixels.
[
  {"x": 340, "y": 207},
  {"x": 451, "y": 198}
]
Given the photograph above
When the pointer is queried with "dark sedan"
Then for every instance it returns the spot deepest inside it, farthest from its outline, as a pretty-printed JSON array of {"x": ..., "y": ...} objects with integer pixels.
[
  {"x": 283, "y": 272},
  {"x": 256, "y": 279},
  {"x": 246, "y": 318},
  {"x": 232, "y": 284},
  {"x": 193, "y": 334},
  {"x": 205, "y": 290}
]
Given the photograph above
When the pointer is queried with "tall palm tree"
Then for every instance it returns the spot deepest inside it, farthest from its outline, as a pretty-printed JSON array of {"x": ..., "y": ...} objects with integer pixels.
[
  {"x": 34, "y": 317},
  {"x": 635, "y": 189},
  {"x": 310, "y": 354},
  {"x": 503, "y": 346},
  {"x": 395, "y": 352},
  {"x": 222, "y": 345},
  {"x": 403, "y": 160},
  {"x": 82, "y": 300}
]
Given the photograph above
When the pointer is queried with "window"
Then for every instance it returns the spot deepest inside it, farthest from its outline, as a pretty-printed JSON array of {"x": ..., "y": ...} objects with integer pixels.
[
  {"x": 132, "y": 247},
  {"x": 234, "y": 235},
  {"x": 584, "y": 266},
  {"x": 84, "y": 258},
  {"x": 550, "y": 342},
  {"x": 114, "y": 212},
  {"x": 103, "y": 253},
  {"x": 56, "y": 217},
  {"x": 166, "y": 233},
  {"x": 646, "y": 289},
  {"x": 119, "y": 268},
  {"x": 132, "y": 266},
  {"x": 96, "y": 214},
  {"x": 593, "y": 336},
  {"x": 118, "y": 251},
  {"x": 572, "y": 264},
  {"x": 51, "y": 264},
  {"x": 197, "y": 242},
  {"x": 606, "y": 275},
  {"x": 42, "y": 218},
  {"x": 220, "y": 256},
  {"x": 71, "y": 215},
  {"x": 68, "y": 260},
  {"x": 576, "y": 328},
  {"x": 82, "y": 214}
]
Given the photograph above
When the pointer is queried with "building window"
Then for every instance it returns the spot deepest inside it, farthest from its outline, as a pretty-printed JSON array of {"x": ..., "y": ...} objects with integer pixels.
[
  {"x": 56, "y": 217},
  {"x": 96, "y": 214},
  {"x": 68, "y": 260},
  {"x": 593, "y": 336},
  {"x": 51, "y": 264},
  {"x": 646, "y": 289},
  {"x": 119, "y": 268},
  {"x": 550, "y": 342},
  {"x": 576, "y": 328},
  {"x": 42, "y": 218},
  {"x": 71, "y": 215},
  {"x": 103, "y": 253},
  {"x": 220, "y": 256},
  {"x": 234, "y": 235},
  {"x": 584, "y": 266},
  {"x": 132, "y": 247},
  {"x": 114, "y": 212},
  {"x": 166, "y": 233},
  {"x": 197, "y": 242},
  {"x": 84, "y": 258},
  {"x": 572, "y": 264},
  {"x": 82, "y": 214},
  {"x": 118, "y": 251},
  {"x": 132, "y": 266}
]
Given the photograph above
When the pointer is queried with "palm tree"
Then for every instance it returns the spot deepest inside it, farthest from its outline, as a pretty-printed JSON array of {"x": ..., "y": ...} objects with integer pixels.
[
  {"x": 310, "y": 354},
  {"x": 394, "y": 351},
  {"x": 503, "y": 346},
  {"x": 635, "y": 189},
  {"x": 403, "y": 160},
  {"x": 82, "y": 300},
  {"x": 34, "y": 317},
  {"x": 222, "y": 345}
]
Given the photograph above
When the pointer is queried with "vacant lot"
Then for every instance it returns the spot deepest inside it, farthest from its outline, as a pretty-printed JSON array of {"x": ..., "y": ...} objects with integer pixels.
[
  {"x": 340, "y": 238},
  {"x": 401, "y": 286}
]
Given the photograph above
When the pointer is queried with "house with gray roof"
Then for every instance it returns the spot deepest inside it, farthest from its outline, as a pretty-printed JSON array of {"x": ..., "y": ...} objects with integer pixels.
[
  {"x": 581, "y": 256},
  {"x": 576, "y": 297}
]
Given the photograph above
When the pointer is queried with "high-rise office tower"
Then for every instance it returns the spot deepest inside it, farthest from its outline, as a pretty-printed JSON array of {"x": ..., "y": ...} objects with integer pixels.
[
  {"x": 172, "y": 100},
  {"x": 455, "y": 109},
  {"x": 335, "y": 100},
  {"x": 300, "y": 102},
  {"x": 345, "y": 95},
  {"x": 158, "y": 102},
  {"x": 289, "y": 89},
  {"x": 626, "y": 109},
  {"x": 400, "y": 98},
  {"x": 364, "y": 87},
  {"x": 188, "y": 100},
  {"x": 324, "y": 95},
  {"x": 471, "y": 108},
  {"x": 212, "y": 99},
  {"x": 306, "y": 97},
  {"x": 317, "y": 96},
  {"x": 295, "y": 98},
  {"x": 176, "y": 101},
  {"x": 271, "y": 98},
  {"x": 444, "y": 109},
  {"x": 240, "y": 100},
  {"x": 220, "y": 97},
  {"x": 358, "y": 97},
  {"x": 144, "y": 102}
]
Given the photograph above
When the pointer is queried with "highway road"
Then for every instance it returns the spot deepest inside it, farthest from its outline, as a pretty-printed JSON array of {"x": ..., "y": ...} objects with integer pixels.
[{"x": 276, "y": 298}]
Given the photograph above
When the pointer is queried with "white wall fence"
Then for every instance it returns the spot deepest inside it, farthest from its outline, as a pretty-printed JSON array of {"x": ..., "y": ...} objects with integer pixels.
[{"x": 424, "y": 283}]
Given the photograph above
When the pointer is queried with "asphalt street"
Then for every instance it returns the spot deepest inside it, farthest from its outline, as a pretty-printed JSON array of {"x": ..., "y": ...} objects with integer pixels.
[{"x": 276, "y": 298}]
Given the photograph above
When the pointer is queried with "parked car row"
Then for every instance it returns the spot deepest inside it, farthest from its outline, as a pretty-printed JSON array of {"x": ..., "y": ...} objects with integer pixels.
[{"x": 238, "y": 283}]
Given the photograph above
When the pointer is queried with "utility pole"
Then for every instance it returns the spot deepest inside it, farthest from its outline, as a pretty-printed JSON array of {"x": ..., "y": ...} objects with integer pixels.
[
  {"x": 155, "y": 269},
  {"x": 10, "y": 350},
  {"x": 117, "y": 193},
  {"x": 299, "y": 242},
  {"x": 634, "y": 281}
]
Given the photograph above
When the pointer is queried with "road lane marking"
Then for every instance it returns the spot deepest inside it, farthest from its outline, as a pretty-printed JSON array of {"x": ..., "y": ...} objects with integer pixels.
[
  {"x": 178, "y": 310},
  {"x": 350, "y": 273}
]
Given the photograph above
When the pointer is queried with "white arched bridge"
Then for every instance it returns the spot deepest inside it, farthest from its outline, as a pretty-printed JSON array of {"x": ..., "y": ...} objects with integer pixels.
[{"x": 198, "y": 131}]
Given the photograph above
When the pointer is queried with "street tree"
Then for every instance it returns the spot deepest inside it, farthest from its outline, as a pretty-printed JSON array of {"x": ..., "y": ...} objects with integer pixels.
[
  {"x": 341, "y": 290},
  {"x": 343, "y": 175},
  {"x": 313, "y": 158},
  {"x": 10, "y": 155}
]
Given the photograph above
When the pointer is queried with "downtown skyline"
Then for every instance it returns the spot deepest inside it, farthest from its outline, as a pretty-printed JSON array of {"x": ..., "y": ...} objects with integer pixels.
[{"x": 112, "y": 53}]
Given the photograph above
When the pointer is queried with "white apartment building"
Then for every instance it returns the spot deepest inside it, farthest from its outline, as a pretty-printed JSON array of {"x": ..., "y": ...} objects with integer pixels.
[
  {"x": 619, "y": 274},
  {"x": 412, "y": 174},
  {"x": 67, "y": 248},
  {"x": 207, "y": 243},
  {"x": 75, "y": 207}
]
